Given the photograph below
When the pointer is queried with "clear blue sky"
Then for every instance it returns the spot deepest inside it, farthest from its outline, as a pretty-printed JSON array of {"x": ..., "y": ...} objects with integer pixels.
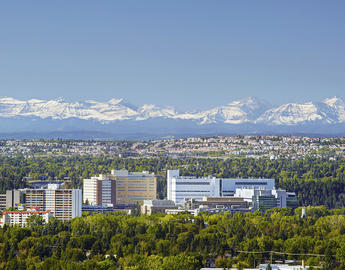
[{"x": 192, "y": 54}]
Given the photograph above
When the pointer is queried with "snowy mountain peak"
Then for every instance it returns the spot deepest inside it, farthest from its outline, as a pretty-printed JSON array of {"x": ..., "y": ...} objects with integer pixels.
[
  {"x": 122, "y": 102},
  {"x": 10, "y": 100},
  {"x": 299, "y": 113},
  {"x": 152, "y": 111},
  {"x": 334, "y": 101},
  {"x": 59, "y": 99},
  {"x": 116, "y": 101},
  {"x": 249, "y": 110},
  {"x": 338, "y": 106}
]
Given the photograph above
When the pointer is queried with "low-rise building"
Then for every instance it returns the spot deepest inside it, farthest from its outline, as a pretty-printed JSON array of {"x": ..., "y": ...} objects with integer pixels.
[
  {"x": 217, "y": 202},
  {"x": 158, "y": 206},
  {"x": 212, "y": 211},
  {"x": 19, "y": 218},
  {"x": 262, "y": 200},
  {"x": 194, "y": 212},
  {"x": 97, "y": 209},
  {"x": 291, "y": 200}
]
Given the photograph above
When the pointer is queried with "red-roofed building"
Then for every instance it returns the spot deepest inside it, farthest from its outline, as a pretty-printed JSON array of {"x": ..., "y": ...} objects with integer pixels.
[{"x": 19, "y": 217}]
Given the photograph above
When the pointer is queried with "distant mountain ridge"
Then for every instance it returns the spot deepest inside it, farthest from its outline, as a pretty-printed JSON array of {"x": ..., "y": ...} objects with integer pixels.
[
  {"x": 121, "y": 116},
  {"x": 253, "y": 110}
]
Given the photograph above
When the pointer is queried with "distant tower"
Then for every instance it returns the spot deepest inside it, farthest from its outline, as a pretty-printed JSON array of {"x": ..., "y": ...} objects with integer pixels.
[{"x": 304, "y": 213}]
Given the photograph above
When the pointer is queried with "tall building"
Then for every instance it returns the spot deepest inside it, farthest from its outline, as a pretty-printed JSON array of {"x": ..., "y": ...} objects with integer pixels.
[
  {"x": 35, "y": 198},
  {"x": 63, "y": 203},
  {"x": 12, "y": 198},
  {"x": 186, "y": 187},
  {"x": 120, "y": 187},
  {"x": 132, "y": 188},
  {"x": 100, "y": 190}
]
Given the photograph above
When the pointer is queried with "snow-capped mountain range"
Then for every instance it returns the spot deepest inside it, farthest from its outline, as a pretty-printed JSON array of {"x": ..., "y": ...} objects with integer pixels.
[
  {"x": 119, "y": 119},
  {"x": 250, "y": 110}
]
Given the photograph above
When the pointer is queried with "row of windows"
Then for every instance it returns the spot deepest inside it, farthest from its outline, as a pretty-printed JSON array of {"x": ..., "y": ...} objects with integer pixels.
[
  {"x": 143, "y": 190},
  {"x": 134, "y": 186},
  {"x": 193, "y": 183},
  {"x": 134, "y": 181},
  {"x": 254, "y": 183},
  {"x": 138, "y": 197},
  {"x": 188, "y": 191}
]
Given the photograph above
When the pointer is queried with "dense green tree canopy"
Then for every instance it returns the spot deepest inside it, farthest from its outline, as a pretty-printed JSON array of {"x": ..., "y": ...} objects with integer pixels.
[{"x": 177, "y": 242}]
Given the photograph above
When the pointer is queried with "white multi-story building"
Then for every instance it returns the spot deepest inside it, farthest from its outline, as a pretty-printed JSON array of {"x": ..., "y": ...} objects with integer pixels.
[
  {"x": 229, "y": 185},
  {"x": 63, "y": 203},
  {"x": 12, "y": 218},
  {"x": 182, "y": 187},
  {"x": 90, "y": 190},
  {"x": 99, "y": 190}
]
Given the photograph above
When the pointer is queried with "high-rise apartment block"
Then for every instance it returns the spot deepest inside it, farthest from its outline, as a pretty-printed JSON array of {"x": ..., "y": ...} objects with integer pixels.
[
  {"x": 120, "y": 187},
  {"x": 63, "y": 203}
]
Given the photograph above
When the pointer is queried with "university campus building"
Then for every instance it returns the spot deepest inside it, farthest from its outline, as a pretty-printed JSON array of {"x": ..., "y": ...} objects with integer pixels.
[
  {"x": 187, "y": 187},
  {"x": 120, "y": 188}
]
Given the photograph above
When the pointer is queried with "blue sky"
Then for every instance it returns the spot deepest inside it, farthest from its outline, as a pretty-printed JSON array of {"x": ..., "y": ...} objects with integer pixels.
[{"x": 191, "y": 54}]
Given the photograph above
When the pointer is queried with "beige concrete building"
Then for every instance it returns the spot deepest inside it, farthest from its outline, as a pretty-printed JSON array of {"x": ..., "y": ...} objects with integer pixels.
[
  {"x": 134, "y": 187},
  {"x": 120, "y": 188},
  {"x": 156, "y": 206}
]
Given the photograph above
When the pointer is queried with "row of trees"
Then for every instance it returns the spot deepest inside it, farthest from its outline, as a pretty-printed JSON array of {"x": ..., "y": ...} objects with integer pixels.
[{"x": 177, "y": 242}]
